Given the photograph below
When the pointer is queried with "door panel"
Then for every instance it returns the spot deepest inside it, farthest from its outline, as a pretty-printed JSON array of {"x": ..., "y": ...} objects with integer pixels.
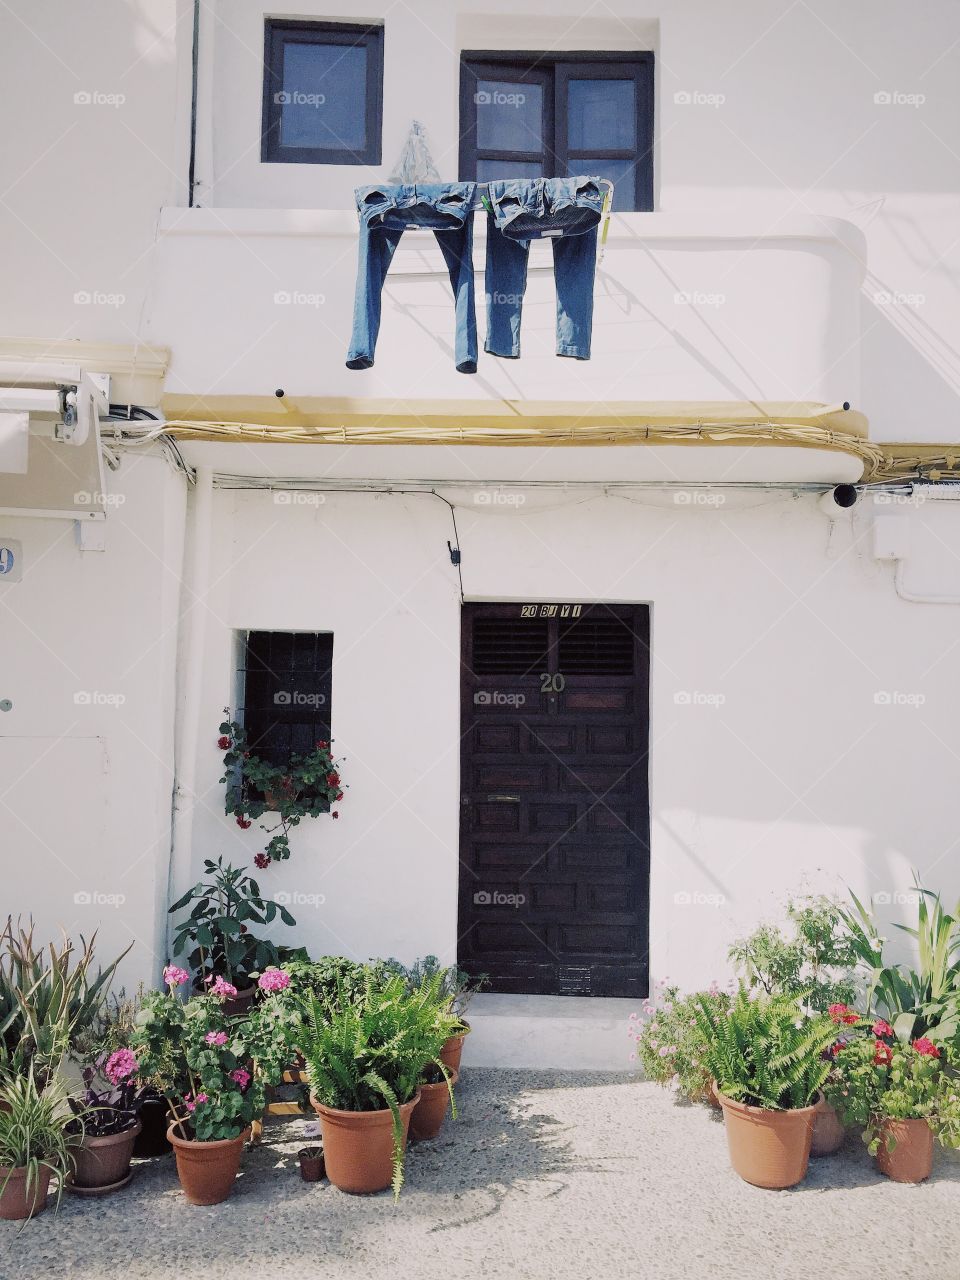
[{"x": 554, "y": 851}]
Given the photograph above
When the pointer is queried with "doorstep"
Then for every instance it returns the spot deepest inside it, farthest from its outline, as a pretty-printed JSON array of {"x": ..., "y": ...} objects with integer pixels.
[{"x": 576, "y": 1033}]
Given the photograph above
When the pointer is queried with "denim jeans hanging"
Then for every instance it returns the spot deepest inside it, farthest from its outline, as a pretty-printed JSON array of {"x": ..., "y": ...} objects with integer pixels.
[
  {"x": 385, "y": 213},
  {"x": 565, "y": 210}
]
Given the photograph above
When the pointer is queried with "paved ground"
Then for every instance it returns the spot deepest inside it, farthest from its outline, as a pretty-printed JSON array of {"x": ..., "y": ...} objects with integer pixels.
[{"x": 546, "y": 1175}]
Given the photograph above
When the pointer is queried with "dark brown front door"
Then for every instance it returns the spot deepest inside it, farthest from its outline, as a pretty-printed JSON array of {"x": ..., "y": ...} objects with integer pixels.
[{"x": 554, "y": 832}]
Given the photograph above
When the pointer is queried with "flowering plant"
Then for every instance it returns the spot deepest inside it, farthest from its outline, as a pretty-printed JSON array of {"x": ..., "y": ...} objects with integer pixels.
[
  {"x": 205, "y": 1060},
  {"x": 304, "y": 786},
  {"x": 874, "y": 1076},
  {"x": 670, "y": 1046},
  {"x": 111, "y": 1110}
]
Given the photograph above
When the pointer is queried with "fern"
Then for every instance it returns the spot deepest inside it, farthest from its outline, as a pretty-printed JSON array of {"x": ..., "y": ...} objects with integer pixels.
[
  {"x": 369, "y": 1054},
  {"x": 764, "y": 1052}
]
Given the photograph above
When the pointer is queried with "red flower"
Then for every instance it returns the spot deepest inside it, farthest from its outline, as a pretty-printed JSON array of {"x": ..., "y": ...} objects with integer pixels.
[
  {"x": 926, "y": 1047},
  {"x": 333, "y": 779},
  {"x": 842, "y": 1013},
  {"x": 224, "y": 743},
  {"x": 335, "y": 814},
  {"x": 243, "y": 823},
  {"x": 262, "y": 861},
  {"x": 841, "y": 1044},
  {"x": 322, "y": 745},
  {"x": 882, "y": 1054},
  {"x": 338, "y": 796},
  {"x": 881, "y": 1028}
]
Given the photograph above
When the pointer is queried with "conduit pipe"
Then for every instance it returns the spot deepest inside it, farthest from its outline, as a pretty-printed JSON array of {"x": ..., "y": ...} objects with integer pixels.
[{"x": 193, "y": 622}]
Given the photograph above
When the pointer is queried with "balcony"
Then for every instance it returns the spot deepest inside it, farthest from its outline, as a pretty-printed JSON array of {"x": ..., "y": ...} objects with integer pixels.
[{"x": 696, "y": 320}]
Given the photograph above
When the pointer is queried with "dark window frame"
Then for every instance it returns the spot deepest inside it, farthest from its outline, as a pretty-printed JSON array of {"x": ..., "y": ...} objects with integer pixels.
[
  {"x": 519, "y": 67},
  {"x": 277, "y": 31},
  {"x": 258, "y": 665}
]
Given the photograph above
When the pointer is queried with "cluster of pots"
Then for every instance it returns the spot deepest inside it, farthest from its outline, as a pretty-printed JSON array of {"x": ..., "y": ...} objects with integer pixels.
[{"x": 773, "y": 1148}]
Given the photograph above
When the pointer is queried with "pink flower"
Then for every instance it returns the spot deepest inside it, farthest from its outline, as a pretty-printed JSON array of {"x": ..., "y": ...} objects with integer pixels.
[
  {"x": 273, "y": 980},
  {"x": 191, "y": 1103},
  {"x": 881, "y": 1028},
  {"x": 841, "y": 1013},
  {"x": 240, "y": 1077},
  {"x": 222, "y": 988},
  {"x": 174, "y": 976},
  {"x": 663, "y": 1051},
  {"x": 216, "y": 1037},
  {"x": 926, "y": 1047},
  {"x": 121, "y": 1065}
]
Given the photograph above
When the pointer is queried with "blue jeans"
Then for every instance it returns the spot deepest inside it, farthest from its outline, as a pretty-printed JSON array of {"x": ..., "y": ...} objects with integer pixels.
[
  {"x": 385, "y": 212},
  {"x": 565, "y": 210}
]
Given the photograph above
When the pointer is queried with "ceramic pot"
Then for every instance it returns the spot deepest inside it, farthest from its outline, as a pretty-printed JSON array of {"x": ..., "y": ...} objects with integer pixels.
[
  {"x": 430, "y": 1112},
  {"x": 358, "y": 1145},
  {"x": 207, "y": 1170},
  {"x": 768, "y": 1148},
  {"x": 828, "y": 1131},
  {"x": 911, "y": 1156},
  {"x": 311, "y": 1164},
  {"x": 102, "y": 1164},
  {"x": 14, "y": 1202},
  {"x": 452, "y": 1049}
]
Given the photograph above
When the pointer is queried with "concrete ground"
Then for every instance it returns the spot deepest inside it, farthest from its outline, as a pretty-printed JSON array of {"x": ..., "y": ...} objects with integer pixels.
[{"x": 547, "y": 1175}]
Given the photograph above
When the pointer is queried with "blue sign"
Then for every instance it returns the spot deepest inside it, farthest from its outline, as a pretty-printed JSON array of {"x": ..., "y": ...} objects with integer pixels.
[{"x": 7, "y": 560}]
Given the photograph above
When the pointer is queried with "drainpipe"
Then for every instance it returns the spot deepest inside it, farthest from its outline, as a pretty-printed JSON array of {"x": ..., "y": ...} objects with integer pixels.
[{"x": 193, "y": 613}]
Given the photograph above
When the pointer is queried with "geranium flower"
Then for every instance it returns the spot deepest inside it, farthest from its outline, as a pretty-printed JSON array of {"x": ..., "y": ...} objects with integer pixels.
[
  {"x": 240, "y": 1077},
  {"x": 926, "y": 1047},
  {"x": 273, "y": 980},
  {"x": 881, "y": 1028},
  {"x": 243, "y": 822},
  {"x": 841, "y": 1013},
  {"x": 216, "y": 1037},
  {"x": 192, "y": 1103},
  {"x": 222, "y": 988},
  {"x": 262, "y": 860},
  {"x": 882, "y": 1054},
  {"x": 174, "y": 976},
  {"x": 121, "y": 1065},
  {"x": 224, "y": 743}
]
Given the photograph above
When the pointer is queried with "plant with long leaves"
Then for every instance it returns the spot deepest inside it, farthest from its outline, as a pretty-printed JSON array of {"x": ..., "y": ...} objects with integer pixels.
[
  {"x": 34, "y": 1120},
  {"x": 370, "y": 1054},
  {"x": 917, "y": 1002},
  {"x": 48, "y": 998},
  {"x": 218, "y": 926},
  {"x": 764, "y": 1051},
  {"x": 456, "y": 985}
]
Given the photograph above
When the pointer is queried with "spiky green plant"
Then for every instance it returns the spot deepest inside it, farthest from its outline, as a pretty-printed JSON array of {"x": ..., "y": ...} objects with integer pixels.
[
  {"x": 48, "y": 998},
  {"x": 369, "y": 1054},
  {"x": 33, "y": 1130},
  {"x": 764, "y": 1052}
]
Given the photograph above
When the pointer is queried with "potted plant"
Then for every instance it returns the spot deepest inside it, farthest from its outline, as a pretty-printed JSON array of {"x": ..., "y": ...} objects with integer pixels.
[
  {"x": 457, "y": 989},
  {"x": 901, "y": 1094},
  {"x": 768, "y": 1062},
  {"x": 212, "y": 1091},
  {"x": 34, "y": 1143},
  {"x": 365, "y": 1060},
  {"x": 436, "y": 1097},
  {"x": 669, "y": 1044},
  {"x": 311, "y": 1163},
  {"x": 305, "y": 785},
  {"x": 217, "y": 931},
  {"x": 107, "y": 1124}
]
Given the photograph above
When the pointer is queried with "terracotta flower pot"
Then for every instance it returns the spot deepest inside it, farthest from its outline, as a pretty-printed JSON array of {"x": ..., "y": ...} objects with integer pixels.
[
  {"x": 828, "y": 1131},
  {"x": 911, "y": 1159},
  {"x": 102, "y": 1164},
  {"x": 311, "y": 1164},
  {"x": 207, "y": 1170},
  {"x": 430, "y": 1112},
  {"x": 452, "y": 1050},
  {"x": 14, "y": 1202},
  {"x": 768, "y": 1148},
  {"x": 154, "y": 1122},
  {"x": 358, "y": 1145},
  {"x": 241, "y": 1002}
]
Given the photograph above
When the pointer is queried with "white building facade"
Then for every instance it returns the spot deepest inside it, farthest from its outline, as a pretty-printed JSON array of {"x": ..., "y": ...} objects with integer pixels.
[{"x": 774, "y": 318}]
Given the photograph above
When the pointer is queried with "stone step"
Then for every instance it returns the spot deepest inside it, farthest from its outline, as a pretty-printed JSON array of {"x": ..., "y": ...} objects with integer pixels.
[{"x": 576, "y": 1033}]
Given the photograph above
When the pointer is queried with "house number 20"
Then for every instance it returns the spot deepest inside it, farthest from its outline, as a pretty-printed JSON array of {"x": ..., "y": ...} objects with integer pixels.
[{"x": 552, "y": 683}]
